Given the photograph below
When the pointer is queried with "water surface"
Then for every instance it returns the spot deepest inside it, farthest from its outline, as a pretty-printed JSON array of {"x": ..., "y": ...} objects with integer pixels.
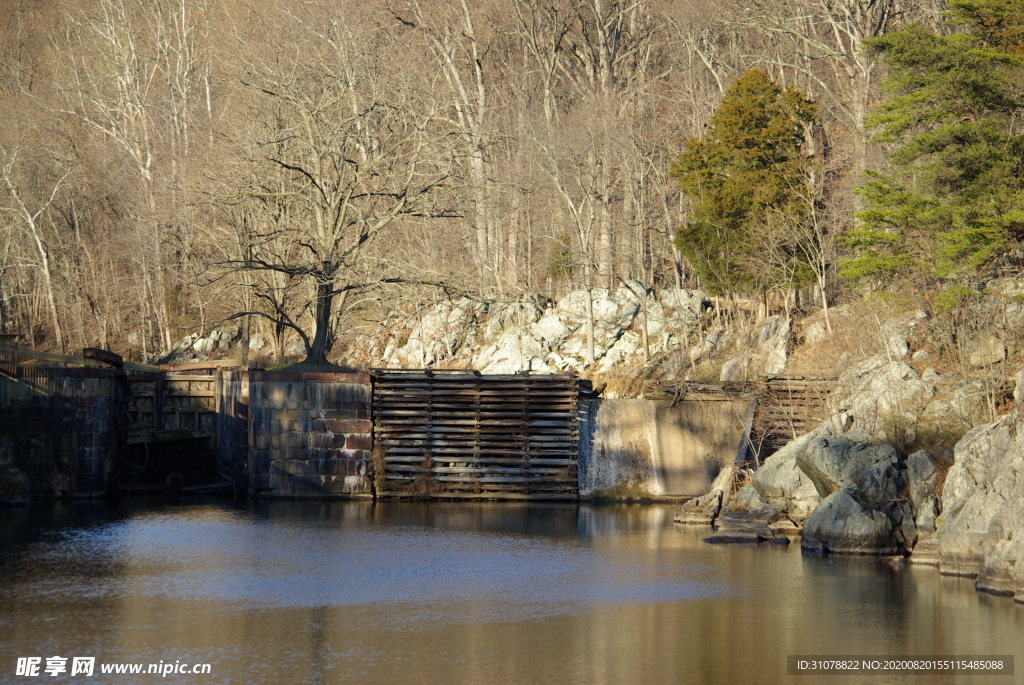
[{"x": 465, "y": 593}]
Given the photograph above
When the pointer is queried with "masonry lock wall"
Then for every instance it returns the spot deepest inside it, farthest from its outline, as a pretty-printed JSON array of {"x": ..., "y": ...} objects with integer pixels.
[{"x": 309, "y": 434}]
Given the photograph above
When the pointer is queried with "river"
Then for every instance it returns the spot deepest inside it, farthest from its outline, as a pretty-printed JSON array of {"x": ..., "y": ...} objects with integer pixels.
[{"x": 459, "y": 593}]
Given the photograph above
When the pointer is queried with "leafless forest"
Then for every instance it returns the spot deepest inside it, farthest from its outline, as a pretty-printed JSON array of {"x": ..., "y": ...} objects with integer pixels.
[{"x": 169, "y": 164}]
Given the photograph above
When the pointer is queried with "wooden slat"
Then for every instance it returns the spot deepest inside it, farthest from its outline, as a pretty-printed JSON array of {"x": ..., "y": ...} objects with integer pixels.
[{"x": 502, "y": 436}]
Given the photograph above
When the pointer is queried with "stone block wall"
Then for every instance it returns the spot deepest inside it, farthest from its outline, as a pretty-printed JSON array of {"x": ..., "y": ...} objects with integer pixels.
[
  {"x": 232, "y": 424},
  {"x": 310, "y": 434},
  {"x": 55, "y": 426}
]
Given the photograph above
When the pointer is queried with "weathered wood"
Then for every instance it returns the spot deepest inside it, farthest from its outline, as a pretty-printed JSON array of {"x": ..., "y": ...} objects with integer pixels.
[
  {"x": 36, "y": 355},
  {"x": 149, "y": 436},
  {"x": 214, "y": 364},
  {"x": 786, "y": 405},
  {"x": 496, "y": 436}
]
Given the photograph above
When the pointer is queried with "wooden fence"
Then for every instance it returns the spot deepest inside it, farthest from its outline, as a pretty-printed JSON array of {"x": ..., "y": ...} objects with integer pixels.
[{"x": 466, "y": 435}]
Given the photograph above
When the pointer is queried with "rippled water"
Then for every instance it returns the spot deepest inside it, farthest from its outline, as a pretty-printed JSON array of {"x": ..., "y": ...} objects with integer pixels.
[{"x": 356, "y": 592}]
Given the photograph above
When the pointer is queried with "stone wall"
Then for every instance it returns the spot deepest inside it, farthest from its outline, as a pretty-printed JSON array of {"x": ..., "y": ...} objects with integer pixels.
[
  {"x": 638, "y": 447},
  {"x": 232, "y": 424},
  {"x": 310, "y": 434},
  {"x": 55, "y": 427}
]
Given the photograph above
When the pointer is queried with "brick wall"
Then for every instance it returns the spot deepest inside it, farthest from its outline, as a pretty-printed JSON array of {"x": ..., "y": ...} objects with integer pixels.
[{"x": 310, "y": 434}]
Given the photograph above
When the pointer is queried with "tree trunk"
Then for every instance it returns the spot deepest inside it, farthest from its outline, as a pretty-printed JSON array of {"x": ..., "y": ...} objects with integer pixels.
[
  {"x": 590, "y": 324},
  {"x": 322, "y": 318},
  {"x": 643, "y": 327}
]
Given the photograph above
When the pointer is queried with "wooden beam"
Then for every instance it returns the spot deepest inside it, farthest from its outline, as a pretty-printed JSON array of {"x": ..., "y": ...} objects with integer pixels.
[
  {"x": 36, "y": 355},
  {"x": 213, "y": 364}
]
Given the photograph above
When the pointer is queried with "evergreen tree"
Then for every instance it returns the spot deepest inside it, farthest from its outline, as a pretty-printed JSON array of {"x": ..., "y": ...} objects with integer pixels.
[
  {"x": 746, "y": 179},
  {"x": 952, "y": 198}
]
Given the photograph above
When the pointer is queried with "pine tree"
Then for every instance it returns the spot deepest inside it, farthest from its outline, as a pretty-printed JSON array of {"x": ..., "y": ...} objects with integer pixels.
[
  {"x": 951, "y": 201},
  {"x": 745, "y": 180}
]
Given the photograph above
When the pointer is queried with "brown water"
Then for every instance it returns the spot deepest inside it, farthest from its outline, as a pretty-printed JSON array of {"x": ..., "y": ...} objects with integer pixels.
[{"x": 462, "y": 593}]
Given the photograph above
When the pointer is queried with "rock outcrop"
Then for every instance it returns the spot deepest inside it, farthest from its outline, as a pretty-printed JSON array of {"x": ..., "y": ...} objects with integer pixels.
[
  {"x": 549, "y": 337},
  {"x": 845, "y": 485},
  {"x": 782, "y": 484},
  {"x": 843, "y": 524},
  {"x": 845, "y": 489},
  {"x": 704, "y": 510},
  {"x": 863, "y": 510},
  {"x": 847, "y": 496},
  {"x": 981, "y": 527},
  {"x": 748, "y": 518},
  {"x": 923, "y": 487},
  {"x": 773, "y": 338}
]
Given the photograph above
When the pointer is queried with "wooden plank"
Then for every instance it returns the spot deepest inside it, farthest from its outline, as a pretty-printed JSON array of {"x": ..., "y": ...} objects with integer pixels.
[
  {"x": 177, "y": 393},
  {"x": 210, "y": 364},
  {"x": 181, "y": 378},
  {"x": 486, "y": 435},
  {"x": 151, "y": 436},
  {"x": 485, "y": 471},
  {"x": 545, "y": 460}
]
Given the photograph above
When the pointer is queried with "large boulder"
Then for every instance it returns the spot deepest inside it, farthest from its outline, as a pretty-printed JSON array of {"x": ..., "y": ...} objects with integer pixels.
[
  {"x": 773, "y": 340},
  {"x": 922, "y": 486},
  {"x": 985, "y": 351},
  {"x": 884, "y": 399},
  {"x": 734, "y": 370},
  {"x": 983, "y": 509},
  {"x": 832, "y": 463},
  {"x": 844, "y": 525},
  {"x": 863, "y": 510},
  {"x": 781, "y": 483},
  {"x": 1003, "y": 570},
  {"x": 440, "y": 330},
  {"x": 686, "y": 306}
]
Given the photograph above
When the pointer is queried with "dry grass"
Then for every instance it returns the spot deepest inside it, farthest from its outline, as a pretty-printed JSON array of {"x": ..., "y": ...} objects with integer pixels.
[
  {"x": 422, "y": 486},
  {"x": 379, "y": 466},
  {"x": 858, "y": 332}
]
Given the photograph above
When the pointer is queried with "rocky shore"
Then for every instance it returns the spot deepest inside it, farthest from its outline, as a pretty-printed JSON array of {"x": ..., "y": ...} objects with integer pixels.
[{"x": 850, "y": 487}]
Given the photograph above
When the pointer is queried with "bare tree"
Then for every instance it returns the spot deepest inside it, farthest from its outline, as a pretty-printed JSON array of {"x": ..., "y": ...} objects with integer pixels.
[
  {"x": 134, "y": 72},
  {"x": 826, "y": 48},
  {"x": 340, "y": 158},
  {"x": 29, "y": 213},
  {"x": 459, "y": 53}
]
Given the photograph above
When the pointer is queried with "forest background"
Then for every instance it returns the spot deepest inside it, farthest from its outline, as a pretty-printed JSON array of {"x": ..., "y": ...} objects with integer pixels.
[{"x": 306, "y": 169}]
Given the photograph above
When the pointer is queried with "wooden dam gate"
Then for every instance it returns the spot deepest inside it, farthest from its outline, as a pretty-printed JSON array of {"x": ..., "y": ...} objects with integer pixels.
[{"x": 461, "y": 434}]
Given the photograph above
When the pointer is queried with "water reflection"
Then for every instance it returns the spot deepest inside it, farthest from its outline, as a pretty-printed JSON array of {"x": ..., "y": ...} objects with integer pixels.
[{"x": 459, "y": 593}]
